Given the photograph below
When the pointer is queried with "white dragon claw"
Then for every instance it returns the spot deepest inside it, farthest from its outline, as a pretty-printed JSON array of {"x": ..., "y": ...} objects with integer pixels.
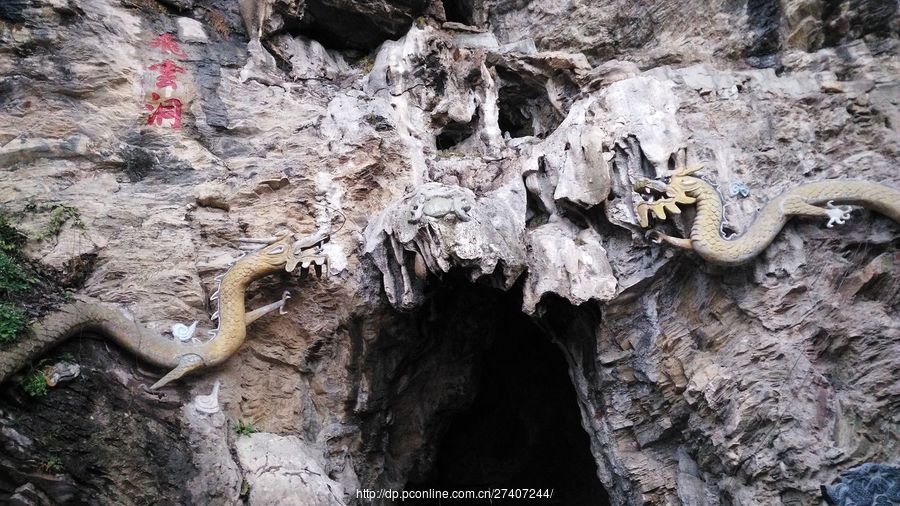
[
  {"x": 837, "y": 214},
  {"x": 284, "y": 297}
]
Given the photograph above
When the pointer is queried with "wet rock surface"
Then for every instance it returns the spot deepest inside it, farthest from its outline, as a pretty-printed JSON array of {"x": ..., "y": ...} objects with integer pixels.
[{"x": 464, "y": 152}]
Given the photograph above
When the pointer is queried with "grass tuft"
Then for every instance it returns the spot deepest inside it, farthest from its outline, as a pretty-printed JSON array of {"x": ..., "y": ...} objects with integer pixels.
[
  {"x": 11, "y": 240},
  {"x": 35, "y": 384},
  {"x": 13, "y": 279},
  {"x": 59, "y": 215},
  {"x": 244, "y": 429},
  {"x": 54, "y": 464},
  {"x": 12, "y": 323}
]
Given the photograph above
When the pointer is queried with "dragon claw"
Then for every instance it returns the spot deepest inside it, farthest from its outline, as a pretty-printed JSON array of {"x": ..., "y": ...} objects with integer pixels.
[
  {"x": 837, "y": 214},
  {"x": 284, "y": 297}
]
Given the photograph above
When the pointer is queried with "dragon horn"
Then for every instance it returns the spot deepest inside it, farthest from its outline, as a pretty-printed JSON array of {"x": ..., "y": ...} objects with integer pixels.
[
  {"x": 186, "y": 364},
  {"x": 687, "y": 171}
]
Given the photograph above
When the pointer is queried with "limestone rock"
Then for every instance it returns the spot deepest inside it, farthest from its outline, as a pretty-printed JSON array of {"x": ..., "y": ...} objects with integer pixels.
[
  {"x": 219, "y": 480},
  {"x": 573, "y": 266},
  {"x": 285, "y": 470},
  {"x": 466, "y": 155},
  {"x": 445, "y": 227}
]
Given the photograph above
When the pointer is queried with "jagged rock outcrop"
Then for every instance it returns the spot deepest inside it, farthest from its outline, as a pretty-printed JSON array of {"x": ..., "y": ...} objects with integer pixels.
[
  {"x": 439, "y": 227},
  {"x": 463, "y": 153}
]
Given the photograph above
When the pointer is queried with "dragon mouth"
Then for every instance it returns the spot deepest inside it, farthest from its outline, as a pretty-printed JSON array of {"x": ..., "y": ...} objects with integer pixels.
[
  {"x": 651, "y": 189},
  {"x": 307, "y": 252},
  {"x": 657, "y": 197}
]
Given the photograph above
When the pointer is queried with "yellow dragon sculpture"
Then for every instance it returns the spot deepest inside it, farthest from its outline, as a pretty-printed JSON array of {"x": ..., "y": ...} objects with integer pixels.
[
  {"x": 277, "y": 253},
  {"x": 810, "y": 200}
]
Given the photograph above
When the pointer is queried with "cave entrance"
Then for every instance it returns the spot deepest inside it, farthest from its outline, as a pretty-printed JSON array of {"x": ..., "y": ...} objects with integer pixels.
[
  {"x": 523, "y": 429},
  {"x": 460, "y": 11}
]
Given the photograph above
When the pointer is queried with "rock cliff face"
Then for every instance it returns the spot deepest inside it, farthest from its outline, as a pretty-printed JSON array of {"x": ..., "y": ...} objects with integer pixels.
[{"x": 476, "y": 160}]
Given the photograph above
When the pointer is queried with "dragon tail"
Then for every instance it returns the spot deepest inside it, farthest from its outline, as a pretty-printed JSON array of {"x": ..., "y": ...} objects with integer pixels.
[{"x": 44, "y": 335}]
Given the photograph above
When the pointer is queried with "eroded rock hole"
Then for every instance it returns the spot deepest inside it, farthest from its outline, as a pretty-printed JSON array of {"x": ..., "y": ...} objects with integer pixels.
[
  {"x": 460, "y": 11},
  {"x": 351, "y": 25},
  {"x": 524, "y": 108},
  {"x": 764, "y": 19},
  {"x": 523, "y": 429},
  {"x": 454, "y": 133}
]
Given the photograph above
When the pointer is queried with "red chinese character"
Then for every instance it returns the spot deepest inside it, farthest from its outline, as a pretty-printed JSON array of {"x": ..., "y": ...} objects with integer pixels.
[
  {"x": 167, "y": 70},
  {"x": 165, "y": 44},
  {"x": 170, "y": 109}
]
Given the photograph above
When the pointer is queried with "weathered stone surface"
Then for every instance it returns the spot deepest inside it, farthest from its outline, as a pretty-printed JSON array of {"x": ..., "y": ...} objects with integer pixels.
[
  {"x": 285, "y": 470},
  {"x": 696, "y": 384},
  {"x": 440, "y": 227},
  {"x": 220, "y": 477},
  {"x": 572, "y": 264}
]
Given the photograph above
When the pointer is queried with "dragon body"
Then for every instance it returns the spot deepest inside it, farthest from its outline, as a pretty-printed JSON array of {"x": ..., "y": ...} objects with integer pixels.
[
  {"x": 816, "y": 199},
  {"x": 181, "y": 357}
]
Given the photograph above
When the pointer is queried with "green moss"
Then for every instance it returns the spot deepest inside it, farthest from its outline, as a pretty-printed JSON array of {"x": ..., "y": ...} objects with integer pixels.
[
  {"x": 368, "y": 63},
  {"x": 13, "y": 279},
  {"x": 53, "y": 465},
  {"x": 11, "y": 240},
  {"x": 449, "y": 153},
  {"x": 12, "y": 323},
  {"x": 35, "y": 384},
  {"x": 244, "y": 429},
  {"x": 59, "y": 215}
]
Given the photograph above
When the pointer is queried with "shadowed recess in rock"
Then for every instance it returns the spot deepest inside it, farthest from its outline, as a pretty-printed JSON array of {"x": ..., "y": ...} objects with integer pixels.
[
  {"x": 460, "y": 11},
  {"x": 455, "y": 132},
  {"x": 524, "y": 108},
  {"x": 524, "y": 428},
  {"x": 340, "y": 24}
]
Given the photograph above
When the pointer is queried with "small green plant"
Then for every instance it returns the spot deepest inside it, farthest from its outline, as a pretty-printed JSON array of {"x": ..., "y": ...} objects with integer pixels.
[
  {"x": 368, "y": 63},
  {"x": 11, "y": 240},
  {"x": 244, "y": 429},
  {"x": 59, "y": 215},
  {"x": 12, "y": 323},
  {"x": 35, "y": 384},
  {"x": 53, "y": 465},
  {"x": 245, "y": 488},
  {"x": 449, "y": 153},
  {"x": 13, "y": 280}
]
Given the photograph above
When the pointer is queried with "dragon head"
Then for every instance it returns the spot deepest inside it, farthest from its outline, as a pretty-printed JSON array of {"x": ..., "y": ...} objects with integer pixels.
[
  {"x": 665, "y": 193},
  {"x": 307, "y": 252},
  {"x": 290, "y": 250}
]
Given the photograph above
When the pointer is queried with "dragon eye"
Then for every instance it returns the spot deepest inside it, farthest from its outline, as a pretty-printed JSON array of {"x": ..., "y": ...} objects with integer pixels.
[{"x": 275, "y": 251}]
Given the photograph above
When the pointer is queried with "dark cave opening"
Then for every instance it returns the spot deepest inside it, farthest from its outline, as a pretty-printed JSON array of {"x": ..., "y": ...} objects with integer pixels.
[
  {"x": 523, "y": 429},
  {"x": 454, "y": 132},
  {"x": 524, "y": 108},
  {"x": 347, "y": 26},
  {"x": 460, "y": 11}
]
